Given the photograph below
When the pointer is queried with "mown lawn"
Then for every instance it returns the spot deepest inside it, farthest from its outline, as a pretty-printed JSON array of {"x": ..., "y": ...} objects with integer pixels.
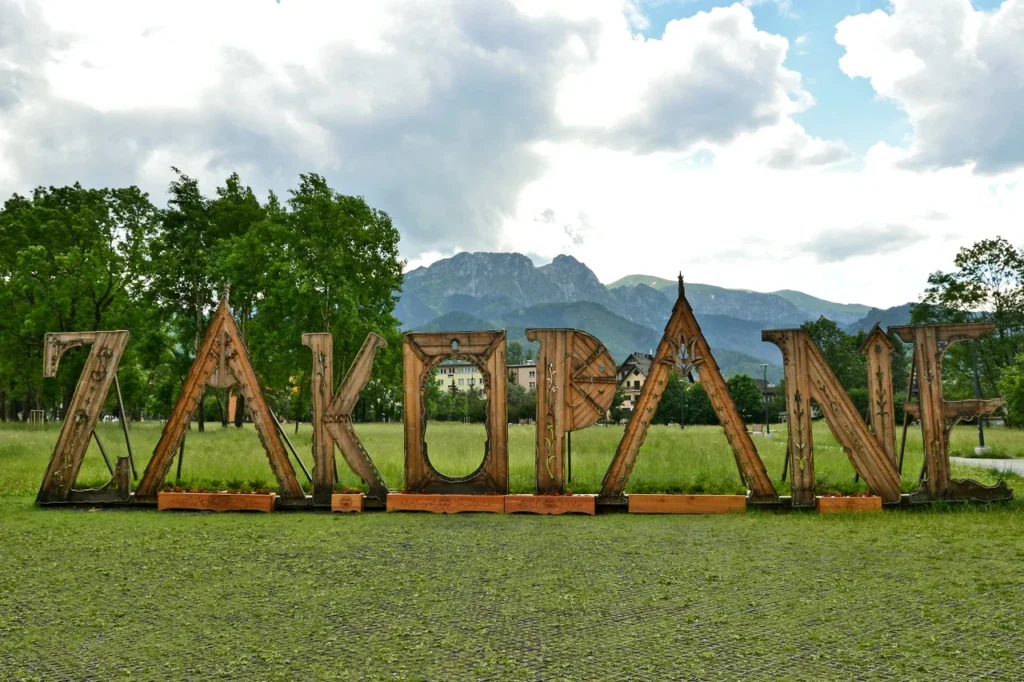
[
  {"x": 695, "y": 460},
  {"x": 934, "y": 593}
]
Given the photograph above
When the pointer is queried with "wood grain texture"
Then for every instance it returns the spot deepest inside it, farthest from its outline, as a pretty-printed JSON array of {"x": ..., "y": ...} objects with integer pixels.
[
  {"x": 575, "y": 388},
  {"x": 217, "y": 502},
  {"x": 683, "y": 343},
  {"x": 686, "y": 504},
  {"x": 808, "y": 376},
  {"x": 550, "y": 504},
  {"x": 937, "y": 415},
  {"x": 830, "y": 505},
  {"x": 344, "y": 502},
  {"x": 332, "y": 417},
  {"x": 222, "y": 354},
  {"x": 421, "y": 353},
  {"x": 85, "y": 407},
  {"x": 446, "y": 504},
  {"x": 877, "y": 350}
]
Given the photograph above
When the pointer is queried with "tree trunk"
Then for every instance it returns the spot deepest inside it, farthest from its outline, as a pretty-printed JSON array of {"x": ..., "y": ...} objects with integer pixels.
[
  {"x": 239, "y": 410},
  {"x": 202, "y": 414},
  {"x": 224, "y": 407}
]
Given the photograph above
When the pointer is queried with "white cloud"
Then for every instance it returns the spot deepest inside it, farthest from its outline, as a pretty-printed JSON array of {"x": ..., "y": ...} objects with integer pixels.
[
  {"x": 535, "y": 125},
  {"x": 752, "y": 227},
  {"x": 954, "y": 70},
  {"x": 710, "y": 78}
]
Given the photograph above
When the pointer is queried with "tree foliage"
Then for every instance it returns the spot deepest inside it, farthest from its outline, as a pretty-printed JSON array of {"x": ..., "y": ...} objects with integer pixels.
[{"x": 76, "y": 259}]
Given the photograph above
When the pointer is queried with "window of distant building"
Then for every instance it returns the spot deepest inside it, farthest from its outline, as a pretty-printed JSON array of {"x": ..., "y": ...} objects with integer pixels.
[
  {"x": 533, "y": 384},
  {"x": 636, "y": 384},
  {"x": 533, "y": 374},
  {"x": 472, "y": 381},
  {"x": 461, "y": 381},
  {"x": 636, "y": 371}
]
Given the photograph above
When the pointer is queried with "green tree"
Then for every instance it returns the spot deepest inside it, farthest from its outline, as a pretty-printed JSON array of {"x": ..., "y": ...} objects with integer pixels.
[
  {"x": 748, "y": 398},
  {"x": 986, "y": 286},
  {"x": 71, "y": 259},
  {"x": 514, "y": 353},
  {"x": 336, "y": 270},
  {"x": 1011, "y": 385},
  {"x": 670, "y": 405},
  {"x": 184, "y": 277},
  {"x": 841, "y": 351},
  {"x": 698, "y": 406}
]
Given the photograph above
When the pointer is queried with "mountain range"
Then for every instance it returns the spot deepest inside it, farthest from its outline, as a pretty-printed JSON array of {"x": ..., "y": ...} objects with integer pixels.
[{"x": 507, "y": 291}]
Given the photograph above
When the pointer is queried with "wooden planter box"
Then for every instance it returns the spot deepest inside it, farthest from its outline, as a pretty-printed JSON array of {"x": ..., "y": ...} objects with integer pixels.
[
  {"x": 347, "y": 502},
  {"x": 686, "y": 504},
  {"x": 550, "y": 504},
  {"x": 218, "y": 502},
  {"x": 446, "y": 504},
  {"x": 830, "y": 505}
]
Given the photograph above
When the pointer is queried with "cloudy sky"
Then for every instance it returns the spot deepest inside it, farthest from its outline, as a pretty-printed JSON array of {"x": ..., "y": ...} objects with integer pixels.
[{"x": 845, "y": 148}]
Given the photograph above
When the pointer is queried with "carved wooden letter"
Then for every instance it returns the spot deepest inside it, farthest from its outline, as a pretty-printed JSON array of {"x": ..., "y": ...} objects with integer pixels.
[
  {"x": 575, "y": 387},
  {"x": 930, "y": 343},
  {"x": 878, "y": 349},
  {"x": 332, "y": 418},
  {"x": 683, "y": 336},
  {"x": 84, "y": 410},
  {"x": 222, "y": 361},
  {"x": 422, "y": 352},
  {"x": 808, "y": 377}
]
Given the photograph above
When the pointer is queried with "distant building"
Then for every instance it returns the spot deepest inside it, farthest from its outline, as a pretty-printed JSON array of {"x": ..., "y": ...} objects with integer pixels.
[
  {"x": 524, "y": 375},
  {"x": 631, "y": 376},
  {"x": 460, "y": 374},
  {"x": 768, "y": 389}
]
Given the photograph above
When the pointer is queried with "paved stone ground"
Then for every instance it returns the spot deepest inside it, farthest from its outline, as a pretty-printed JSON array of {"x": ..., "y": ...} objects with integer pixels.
[{"x": 1014, "y": 466}]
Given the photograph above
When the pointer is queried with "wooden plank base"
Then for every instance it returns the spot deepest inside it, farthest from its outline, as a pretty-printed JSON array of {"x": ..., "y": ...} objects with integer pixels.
[
  {"x": 550, "y": 504},
  {"x": 347, "y": 502},
  {"x": 446, "y": 504},
  {"x": 830, "y": 505},
  {"x": 218, "y": 502},
  {"x": 686, "y": 504}
]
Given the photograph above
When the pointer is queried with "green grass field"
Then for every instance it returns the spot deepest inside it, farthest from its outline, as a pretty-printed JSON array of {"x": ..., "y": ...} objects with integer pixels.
[
  {"x": 933, "y": 593},
  {"x": 693, "y": 460}
]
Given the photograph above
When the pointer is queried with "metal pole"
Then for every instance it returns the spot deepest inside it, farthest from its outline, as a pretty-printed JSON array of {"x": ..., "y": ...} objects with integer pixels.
[
  {"x": 568, "y": 439},
  {"x": 181, "y": 457},
  {"x": 682, "y": 404},
  {"x": 906, "y": 417},
  {"x": 785, "y": 463},
  {"x": 103, "y": 451},
  {"x": 291, "y": 447},
  {"x": 124, "y": 427},
  {"x": 977, "y": 392}
]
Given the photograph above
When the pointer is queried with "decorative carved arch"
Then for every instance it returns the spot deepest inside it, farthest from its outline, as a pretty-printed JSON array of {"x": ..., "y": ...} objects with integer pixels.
[{"x": 421, "y": 353}]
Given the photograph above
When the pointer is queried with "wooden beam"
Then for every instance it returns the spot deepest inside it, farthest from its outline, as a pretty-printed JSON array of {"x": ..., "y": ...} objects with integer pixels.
[
  {"x": 421, "y": 353},
  {"x": 930, "y": 344},
  {"x": 84, "y": 410},
  {"x": 221, "y": 354},
  {"x": 808, "y": 376},
  {"x": 877, "y": 350},
  {"x": 683, "y": 337},
  {"x": 333, "y": 421},
  {"x": 575, "y": 387}
]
